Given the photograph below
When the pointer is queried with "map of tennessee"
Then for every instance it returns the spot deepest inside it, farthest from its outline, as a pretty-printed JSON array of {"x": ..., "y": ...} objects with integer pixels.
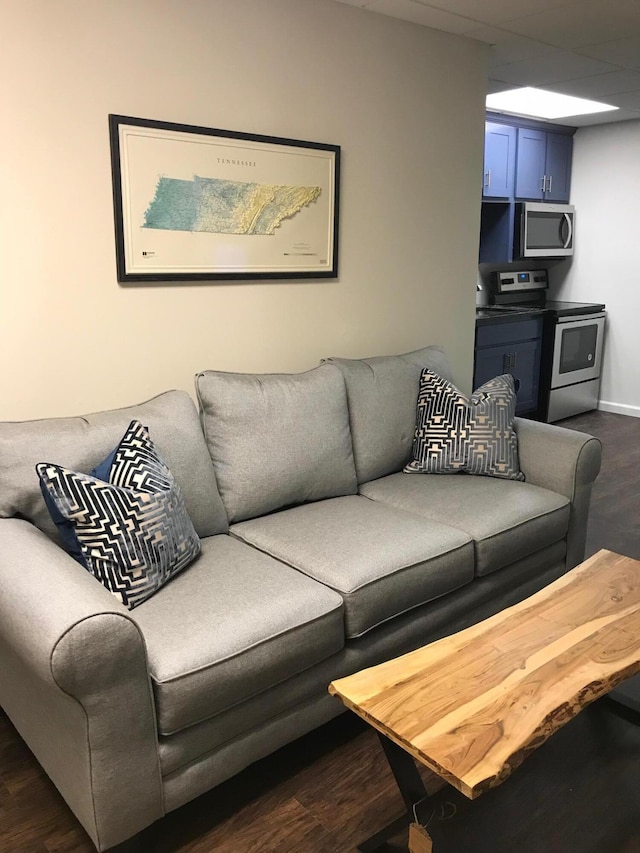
[{"x": 224, "y": 207}]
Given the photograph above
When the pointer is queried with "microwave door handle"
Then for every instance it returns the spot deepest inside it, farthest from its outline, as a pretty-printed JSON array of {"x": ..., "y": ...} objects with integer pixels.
[{"x": 567, "y": 219}]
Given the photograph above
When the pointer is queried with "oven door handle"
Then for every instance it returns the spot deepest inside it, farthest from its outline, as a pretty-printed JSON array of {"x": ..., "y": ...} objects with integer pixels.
[{"x": 567, "y": 219}]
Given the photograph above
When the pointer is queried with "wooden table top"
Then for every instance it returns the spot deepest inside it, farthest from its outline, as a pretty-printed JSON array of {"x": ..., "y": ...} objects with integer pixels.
[{"x": 472, "y": 706}]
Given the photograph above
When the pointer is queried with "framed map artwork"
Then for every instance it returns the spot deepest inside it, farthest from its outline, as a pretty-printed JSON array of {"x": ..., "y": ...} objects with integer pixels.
[{"x": 198, "y": 204}]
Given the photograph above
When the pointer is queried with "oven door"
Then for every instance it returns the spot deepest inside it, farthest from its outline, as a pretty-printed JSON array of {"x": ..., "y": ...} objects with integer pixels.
[{"x": 577, "y": 349}]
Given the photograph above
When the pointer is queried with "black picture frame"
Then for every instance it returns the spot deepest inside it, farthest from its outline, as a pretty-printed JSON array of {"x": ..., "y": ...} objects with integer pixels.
[{"x": 173, "y": 223}]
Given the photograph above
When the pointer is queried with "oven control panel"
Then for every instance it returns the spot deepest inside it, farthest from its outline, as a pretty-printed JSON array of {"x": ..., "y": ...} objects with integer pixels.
[{"x": 515, "y": 281}]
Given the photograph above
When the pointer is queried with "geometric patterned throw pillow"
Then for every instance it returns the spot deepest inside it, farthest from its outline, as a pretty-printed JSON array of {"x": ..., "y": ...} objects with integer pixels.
[
  {"x": 475, "y": 435},
  {"x": 131, "y": 527}
]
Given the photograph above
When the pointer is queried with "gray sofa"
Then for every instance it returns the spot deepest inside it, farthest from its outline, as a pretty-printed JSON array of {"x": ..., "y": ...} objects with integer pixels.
[{"x": 319, "y": 557}]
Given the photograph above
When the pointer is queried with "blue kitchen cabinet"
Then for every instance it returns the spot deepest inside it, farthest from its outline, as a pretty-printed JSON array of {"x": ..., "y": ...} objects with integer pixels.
[
  {"x": 523, "y": 160},
  {"x": 496, "y": 232},
  {"x": 558, "y": 166},
  {"x": 513, "y": 347},
  {"x": 499, "y": 160},
  {"x": 532, "y": 152},
  {"x": 543, "y": 165}
]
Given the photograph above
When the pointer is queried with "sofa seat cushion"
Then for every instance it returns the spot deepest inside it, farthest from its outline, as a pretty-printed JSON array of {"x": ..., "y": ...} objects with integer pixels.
[
  {"x": 232, "y": 625},
  {"x": 383, "y": 562},
  {"x": 506, "y": 519}
]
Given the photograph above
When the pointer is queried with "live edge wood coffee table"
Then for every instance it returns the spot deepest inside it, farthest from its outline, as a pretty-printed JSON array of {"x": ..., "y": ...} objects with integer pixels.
[{"x": 472, "y": 706}]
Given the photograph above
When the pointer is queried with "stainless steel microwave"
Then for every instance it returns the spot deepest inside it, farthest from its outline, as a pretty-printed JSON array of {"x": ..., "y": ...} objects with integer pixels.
[{"x": 546, "y": 230}]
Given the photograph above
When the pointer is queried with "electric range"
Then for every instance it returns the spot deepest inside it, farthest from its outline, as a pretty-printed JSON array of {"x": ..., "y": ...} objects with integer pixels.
[{"x": 572, "y": 341}]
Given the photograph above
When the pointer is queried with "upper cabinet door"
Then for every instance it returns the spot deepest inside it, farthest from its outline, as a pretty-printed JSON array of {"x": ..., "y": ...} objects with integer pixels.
[
  {"x": 530, "y": 169},
  {"x": 543, "y": 166},
  {"x": 558, "y": 167},
  {"x": 499, "y": 160}
]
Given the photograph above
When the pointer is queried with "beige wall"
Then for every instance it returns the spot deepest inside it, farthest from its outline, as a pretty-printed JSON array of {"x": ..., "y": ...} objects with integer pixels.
[{"x": 404, "y": 102}]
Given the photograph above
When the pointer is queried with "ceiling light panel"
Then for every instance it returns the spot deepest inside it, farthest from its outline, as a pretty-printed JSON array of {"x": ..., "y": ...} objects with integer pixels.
[{"x": 543, "y": 104}]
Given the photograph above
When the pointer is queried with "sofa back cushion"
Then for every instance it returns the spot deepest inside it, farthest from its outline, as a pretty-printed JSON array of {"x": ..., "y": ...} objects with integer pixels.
[
  {"x": 277, "y": 439},
  {"x": 382, "y": 393},
  {"x": 81, "y": 443}
]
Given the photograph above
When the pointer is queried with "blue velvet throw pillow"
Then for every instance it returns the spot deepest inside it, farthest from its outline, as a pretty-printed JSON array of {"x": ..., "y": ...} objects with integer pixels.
[
  {"x": 474, "y": 435},
  {"x": 66, "y": 527},
  {"x": 126, "y": 521}
]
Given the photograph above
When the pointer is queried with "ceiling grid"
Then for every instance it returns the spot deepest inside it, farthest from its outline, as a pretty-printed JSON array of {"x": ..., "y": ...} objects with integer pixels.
[{"x": 586, "y": 48}]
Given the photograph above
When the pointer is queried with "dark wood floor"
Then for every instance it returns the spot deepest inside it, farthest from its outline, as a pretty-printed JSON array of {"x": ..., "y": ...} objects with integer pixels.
[
  {"x": 614, "y": 521},
  {"x": 323, "y": 794}
]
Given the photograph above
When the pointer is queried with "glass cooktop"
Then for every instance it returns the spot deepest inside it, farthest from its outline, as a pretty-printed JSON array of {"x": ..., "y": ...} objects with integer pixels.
[
  {"x": 558, "y": 309},
  {"x": 564, "y": 309}
]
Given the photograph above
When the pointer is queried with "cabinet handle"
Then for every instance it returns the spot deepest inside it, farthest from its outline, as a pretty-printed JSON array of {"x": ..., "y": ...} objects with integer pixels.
[
  {"x": 550, "y": 183},
  {"x": 543, "y": 182},
  {"x": 487, "y": 181},
  {"x": 509, "y": 360}
]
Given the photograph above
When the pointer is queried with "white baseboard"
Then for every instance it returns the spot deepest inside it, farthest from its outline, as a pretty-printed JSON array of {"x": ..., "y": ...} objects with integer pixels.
[{"x": 619, "y": 408}]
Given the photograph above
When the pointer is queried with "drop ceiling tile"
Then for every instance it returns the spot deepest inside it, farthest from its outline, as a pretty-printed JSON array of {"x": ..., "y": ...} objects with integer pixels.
[
  {"x": 494, "y": 85},
  {"x": 598, "y": 85},
  {"x": 507, "y": 47},
  {"x": 624, "y": 52},
  {"x": 629, "y": 100},
  {"x": 579, "y": 24},
  {"x": 494, "y": 11},
  {"x": 551, "y": 68},
  {"x": 599, "y": 118},
  {"x": 417, "y": 13}
]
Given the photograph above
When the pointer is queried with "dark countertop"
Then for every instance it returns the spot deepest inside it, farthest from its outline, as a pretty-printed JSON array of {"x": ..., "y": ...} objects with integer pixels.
[{"x": 489, "y": 315}]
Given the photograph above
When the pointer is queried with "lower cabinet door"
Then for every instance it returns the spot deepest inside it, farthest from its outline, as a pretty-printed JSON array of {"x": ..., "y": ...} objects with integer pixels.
[{"x": 522, "y": 361}]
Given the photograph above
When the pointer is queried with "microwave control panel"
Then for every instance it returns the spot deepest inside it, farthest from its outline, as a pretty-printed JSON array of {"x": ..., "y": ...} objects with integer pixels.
[{"x": 516, "y": 281}]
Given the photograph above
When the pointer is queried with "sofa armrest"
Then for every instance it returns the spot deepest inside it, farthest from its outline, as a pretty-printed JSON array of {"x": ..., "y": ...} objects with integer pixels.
[
  {"x": 564, "y": 461},
  {"x": 74, "y": 681}
]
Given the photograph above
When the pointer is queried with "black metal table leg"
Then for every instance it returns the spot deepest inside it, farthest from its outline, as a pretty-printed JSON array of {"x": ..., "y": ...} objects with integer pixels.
[
  {"x": 416, "y": 799},
  {"x": 625, "y": 699},
  {"x": 405, "y": 772}
]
